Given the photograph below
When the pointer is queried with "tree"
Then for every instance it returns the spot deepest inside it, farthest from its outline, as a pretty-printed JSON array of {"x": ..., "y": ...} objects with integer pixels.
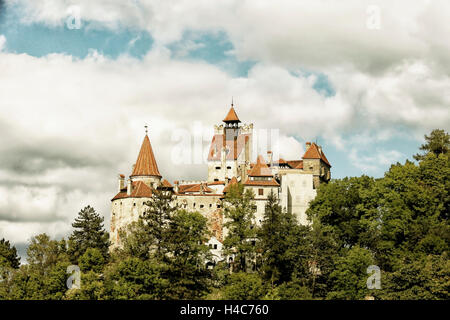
[
  {"x": 135, "y": 279},
  {"x": 8, "y": 255},
  {"x": 244, "y": 286},
  {"x": 438, "y": 142},
  {"x": 156, "y": 219},
  {"x": 349, "y": 280},
  {"x": 136, "y": 241},
  {"x": 280, "y": 240},
  {"x": 88, "y": 232},
  {"x": 350, "y": 207},
  {"x": 44, "y": 253},
  {"x": 92, "y": 260},
  {"x": 417, "y": 277},
  {"x": 239, "y": 214},
  {"x": 185, "y": 241}
]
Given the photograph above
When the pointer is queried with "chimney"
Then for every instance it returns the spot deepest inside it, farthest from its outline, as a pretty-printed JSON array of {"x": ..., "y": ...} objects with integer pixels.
[
  {"x": 223, "y": 159},
  {"x": 308, "y": 144},
  {"x": 202, "y": 188},
  {"x": 320, "y": 149},
  {"x": 129, "y": 187},
  {"x": 176, "y": 183},
  {"x": 270, "y": 158},
  {"x": 121, "y": 182}
]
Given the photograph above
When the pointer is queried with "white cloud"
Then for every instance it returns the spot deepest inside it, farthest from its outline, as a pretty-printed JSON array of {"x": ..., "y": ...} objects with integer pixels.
[
  {"x": 2, "y": 42},
  {"x": 294, "y": 33},
  {"x": 377, "y": 162}
]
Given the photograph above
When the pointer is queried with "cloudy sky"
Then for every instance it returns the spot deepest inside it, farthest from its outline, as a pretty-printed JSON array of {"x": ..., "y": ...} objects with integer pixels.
[{"x": 79, "y": 79}]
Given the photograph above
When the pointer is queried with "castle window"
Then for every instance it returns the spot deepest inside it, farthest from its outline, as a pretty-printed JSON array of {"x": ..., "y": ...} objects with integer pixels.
[
  {"x": 216, "y": 179},
  {"x": 201, "y": 206},
  {"x": 134, "y": 204},
  {"x": 261, "y": 192},
  {"x": 218, "y": 206},
  {"x": 228, "y": 168},
  {"x": 215, "y": 246},
  {"x": 210, "y": 205},
  {"x": 217, "y": 168},
  {"x": 194, "y": 204}
]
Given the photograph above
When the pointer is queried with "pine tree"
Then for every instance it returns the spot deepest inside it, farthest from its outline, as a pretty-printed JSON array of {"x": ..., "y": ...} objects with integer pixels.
[
  {"x": 239, "y": 213},
  {"x": 89, "y": 232},
  {"x": 438, "y": 142},
  {"x": 156, "y": 220},
  {"x": 185, "y": 241},
  {"x": 279, "y": 236},
  {"x": 8, "y": 255}
]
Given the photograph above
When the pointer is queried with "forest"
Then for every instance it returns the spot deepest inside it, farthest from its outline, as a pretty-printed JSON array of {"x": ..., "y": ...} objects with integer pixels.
[{"x": 396, "y": 225}]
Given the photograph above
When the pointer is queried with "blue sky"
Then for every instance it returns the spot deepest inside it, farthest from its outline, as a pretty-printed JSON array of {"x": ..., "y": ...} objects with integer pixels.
[{"x": 74, "y": 101}]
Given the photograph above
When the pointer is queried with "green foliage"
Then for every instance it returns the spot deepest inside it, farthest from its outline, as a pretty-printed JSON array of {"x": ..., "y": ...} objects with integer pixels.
[
  {"x": 438, "y": 142},
  {"x": 88, "y": 232},
  {"x": 92, "y": 288},
  {"x": 350, "y": 207},
  {"x": 156, "y": 220},
  {"x": 417, "y": 277},
  {"x": 44, "y": 253},
  {"x": 135, "y": 279},
  {"x": 244, "y": 286},
  {"x": 239, "y": 211},
  {"x": 92, "y": 260},
  {"x": 293, "y": 290},
  {"x": 8, "y": 255},
  {"x": 349, "y": 279},
  {"x": 185, "y": 242},
  {"x": 281, "y": 243}
]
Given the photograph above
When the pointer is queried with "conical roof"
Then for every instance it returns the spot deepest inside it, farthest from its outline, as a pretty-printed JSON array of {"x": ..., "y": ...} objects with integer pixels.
[
  {"x": 146, "y": 163},
  {"x": 231, "y": 116}
]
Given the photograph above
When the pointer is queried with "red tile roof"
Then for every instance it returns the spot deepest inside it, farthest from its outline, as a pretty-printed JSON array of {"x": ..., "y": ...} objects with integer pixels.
[
  {"x": 166, "y": 184},
  {"x": 313, "y": 152},
  {"x": 194, "y": 188},
  {"x": 215, "y": 149},
  {"x": 232, "y": 182},
  {"x": 231, "y": 116},
  {"x": 295, "y": 164},
  {"x": 215, "y": 183},
  {"x": 264, "y": 183},
  {"x": 146, "y": 163},
  {"x": 260, "y": 169},
  {"x": 139, "y": 190}
]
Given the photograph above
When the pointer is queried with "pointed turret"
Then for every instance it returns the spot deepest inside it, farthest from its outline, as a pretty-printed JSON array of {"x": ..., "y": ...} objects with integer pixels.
[
  {"x": 146, "y": 163},
  {"x": 231, "y": 116}
]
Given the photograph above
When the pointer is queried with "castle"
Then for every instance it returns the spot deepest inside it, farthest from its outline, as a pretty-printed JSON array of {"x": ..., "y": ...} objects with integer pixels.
[{"x": 229, "y": 161}]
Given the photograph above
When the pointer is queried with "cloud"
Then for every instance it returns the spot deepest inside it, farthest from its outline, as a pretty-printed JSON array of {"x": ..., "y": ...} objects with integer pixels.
[
  {"x": 291, "y": 33},
  {"x": 372, "y": 164},
  {"x": 2, "y": 42},
  {"x": 68, "y": 125}
]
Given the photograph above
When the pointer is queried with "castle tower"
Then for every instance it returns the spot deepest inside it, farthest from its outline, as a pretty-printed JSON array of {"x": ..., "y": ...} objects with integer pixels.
[
  {"x": 230, "y": 152},
  {"x": 129, "y": 202},
  {"x": 146, "y": 168},
  {"x": 315, "y": 162}
]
